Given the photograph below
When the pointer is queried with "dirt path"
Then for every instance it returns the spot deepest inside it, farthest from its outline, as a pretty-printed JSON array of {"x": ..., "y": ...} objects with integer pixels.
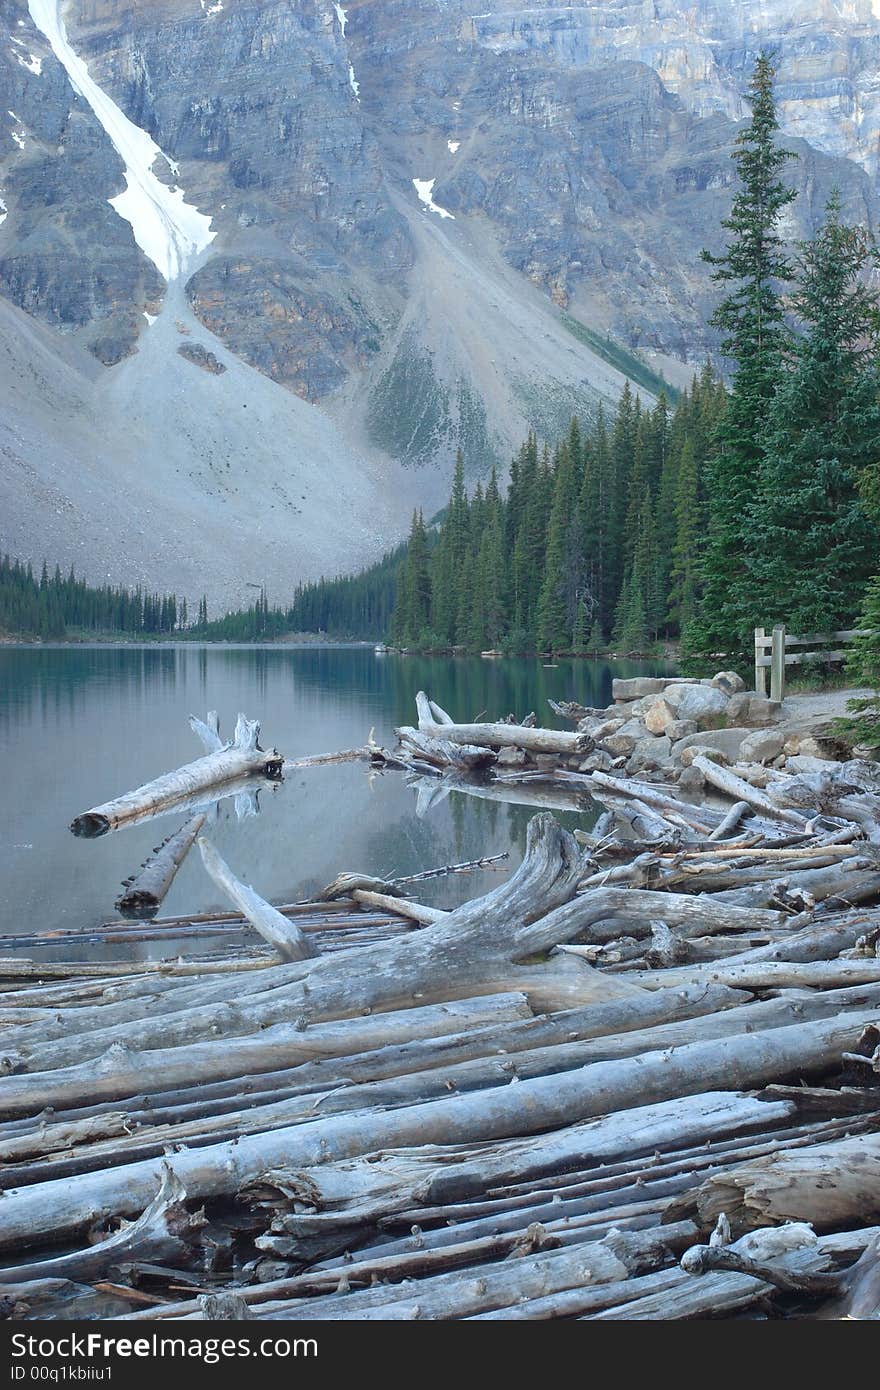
[{"x": 816, "y": 709}]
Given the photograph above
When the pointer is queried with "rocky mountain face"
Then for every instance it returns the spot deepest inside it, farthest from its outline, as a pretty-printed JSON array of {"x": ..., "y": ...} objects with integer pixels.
[{"x": 429, "y": 228}]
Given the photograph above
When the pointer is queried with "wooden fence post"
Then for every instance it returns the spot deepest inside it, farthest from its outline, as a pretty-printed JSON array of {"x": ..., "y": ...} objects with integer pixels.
[
  {"x": 777, "y": 663},
  {"x": 760, "y": 671}
]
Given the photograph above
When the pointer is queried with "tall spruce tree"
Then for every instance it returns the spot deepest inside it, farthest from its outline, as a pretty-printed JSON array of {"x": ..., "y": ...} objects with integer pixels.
[
  {"x": 754, "y": 266},
  {"x": 555, "y": 608},
  {"x": 815, "y": 547}
]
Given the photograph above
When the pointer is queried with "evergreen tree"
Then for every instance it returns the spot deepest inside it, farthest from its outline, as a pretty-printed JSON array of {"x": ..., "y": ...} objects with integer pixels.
[
  {"x": 413, "y": 613},
  {"x": 554, "y": 615},
  {"x": 814, "y": 546},
  {"x": 688, "y": 529},
  {"x": 751, "y": 317}
]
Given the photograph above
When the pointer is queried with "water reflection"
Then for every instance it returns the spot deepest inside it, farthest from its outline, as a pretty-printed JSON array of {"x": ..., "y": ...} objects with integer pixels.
[{"x": 79, "y": 725}]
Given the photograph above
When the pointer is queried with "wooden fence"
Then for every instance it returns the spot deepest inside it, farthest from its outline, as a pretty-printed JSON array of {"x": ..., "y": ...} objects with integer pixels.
[{"x": 777, "y": 650}]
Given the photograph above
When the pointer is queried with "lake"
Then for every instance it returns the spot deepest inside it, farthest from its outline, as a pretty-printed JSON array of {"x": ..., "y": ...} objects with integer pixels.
[{"x": 82, "y": 724}]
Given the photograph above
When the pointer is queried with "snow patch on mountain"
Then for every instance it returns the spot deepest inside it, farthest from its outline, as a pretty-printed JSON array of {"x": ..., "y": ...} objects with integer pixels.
[
  {"x": 169, "y": 231},
  {"x": 425, "y": 188}
]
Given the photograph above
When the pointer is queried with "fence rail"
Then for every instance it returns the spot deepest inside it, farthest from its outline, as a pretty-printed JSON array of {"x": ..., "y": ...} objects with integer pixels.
[{"x": 773, "y": 652}]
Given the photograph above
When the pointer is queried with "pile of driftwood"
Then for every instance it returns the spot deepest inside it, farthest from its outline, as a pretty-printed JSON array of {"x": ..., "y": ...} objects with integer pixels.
[{"x": 638, "y": 1080}]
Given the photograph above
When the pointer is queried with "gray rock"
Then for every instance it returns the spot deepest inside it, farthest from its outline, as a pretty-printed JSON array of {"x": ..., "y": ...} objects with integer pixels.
[
  {"x": 619, "y": 745},
  {"x": 681, "y": 728},
  {"x": 702, "y": 703},
  {"x": 801, "y": 762},
  {"x": 202, "y": 357},
  {"x": 634, "y": 728},
  {"x": 738, "y": 707},
  {"x": 763, "y": 712},
  {"x": 691, "y": 780},
  {"x": 511, "y": 757},
  {"x": 729, "y": 682},
  {"x": 762, "y": 746},
  {"x": 702, "y": 750},
  {"x": 638, "y": 686},
  {"x": 606, "y": 727},
  {"x": 598, "y": 761},
  {"x": 650, "y": 754},
  {"x": 658, "y": 714},
  {"x": 727, "y": 741}
]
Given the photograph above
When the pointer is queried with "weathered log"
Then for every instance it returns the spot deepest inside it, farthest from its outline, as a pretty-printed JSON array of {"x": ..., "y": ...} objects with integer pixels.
[
  {"x": 242, "y": 757},
  {"x": 765, "y": 974},
  {"x": 471, "y": 951},
  {"x": 542, "y": 795},
  {"x": 121, "y": 1072},
  {"x": 165, "y": 1231},
  {"x": 283, "y": 933},
  {"x": 344, "y": 885},
  {"x": 416, "y": 745},
  {"x": 54, "y": 1207},
  {"x": 734, "y": 787},
  {"x": 456, "y": 1295},
  {"x": 500, "y": 735},
  {"x": 859, "y": 1295},
  {"x": 208, "y": 731},
  {"x": 731, "y": 820},
  {"x": 827, "y": 1185},
  {"x": 404, "y": 907},
  {"x": 701, "y": 818},
  {"x": 146, "y": 891},
  {"x": 691, "y": 1298}
]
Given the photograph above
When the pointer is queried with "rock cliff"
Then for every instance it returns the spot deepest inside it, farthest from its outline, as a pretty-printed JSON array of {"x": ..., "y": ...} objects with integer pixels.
[{"x": 429, "y": 228}]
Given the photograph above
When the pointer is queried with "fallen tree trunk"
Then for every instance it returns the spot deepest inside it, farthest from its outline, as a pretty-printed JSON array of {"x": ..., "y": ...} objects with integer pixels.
[
  {"x": 288, "y": 939},
  {"x": 240, "y": 758},
  {"x": 145, "y": 892},
  {"x": 827, "y": 1185},
  {"x": 46, "y": 1210},
  {"x": 500, "y": 735},
  {"x": 164, "y": 1232},
  {"x": 766, "y": 974},
  {"x": 738, "y": 790},
  {"x": 121, "y": 1072}
]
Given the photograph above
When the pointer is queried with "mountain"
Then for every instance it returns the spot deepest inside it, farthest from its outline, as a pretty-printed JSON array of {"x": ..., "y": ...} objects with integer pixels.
[{"x": 265, "y": 264}]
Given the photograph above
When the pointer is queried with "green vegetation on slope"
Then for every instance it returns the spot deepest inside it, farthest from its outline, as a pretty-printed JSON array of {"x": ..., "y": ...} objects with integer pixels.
[{"x": 617, "y": 356}]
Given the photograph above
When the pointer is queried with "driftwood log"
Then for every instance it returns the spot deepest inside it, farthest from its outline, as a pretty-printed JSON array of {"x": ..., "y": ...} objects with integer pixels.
[
  {"x": 281, "y": 932},
  {"x": 242, "y": 757},
  {"x": 144, "y": 893}
]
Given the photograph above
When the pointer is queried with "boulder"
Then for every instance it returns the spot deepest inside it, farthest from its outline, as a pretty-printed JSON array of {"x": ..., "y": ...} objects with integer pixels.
[
  {"x": 819, "y": 748},
  {"x": 637, "y": 687},
  {"x": 658, "y": 715},
  {"x": 598, "y": 761},
  {"x": 605, "y": 728},
  {"x": 763, "y": 711},
  {"x": 681, "y": 728},
  {"x": 633, "y": 728},
  {"x": 801, "y": 762},
  {"x": 691, "y": 780},
  {"x": 727, "y": 741},
  {"x": 511, "y": 757},
  {"x": 706, "y": 705},
  {"x": 546, "y": 762},
  {"x": 738, "y": 707},
  {"x": 649, "y": 754},
  {"x": 702, "y": 750},
  {"x": 729, "y": 683},
  {"x": 762, "y": 746},
  {"x": 619, "y": 745}
]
